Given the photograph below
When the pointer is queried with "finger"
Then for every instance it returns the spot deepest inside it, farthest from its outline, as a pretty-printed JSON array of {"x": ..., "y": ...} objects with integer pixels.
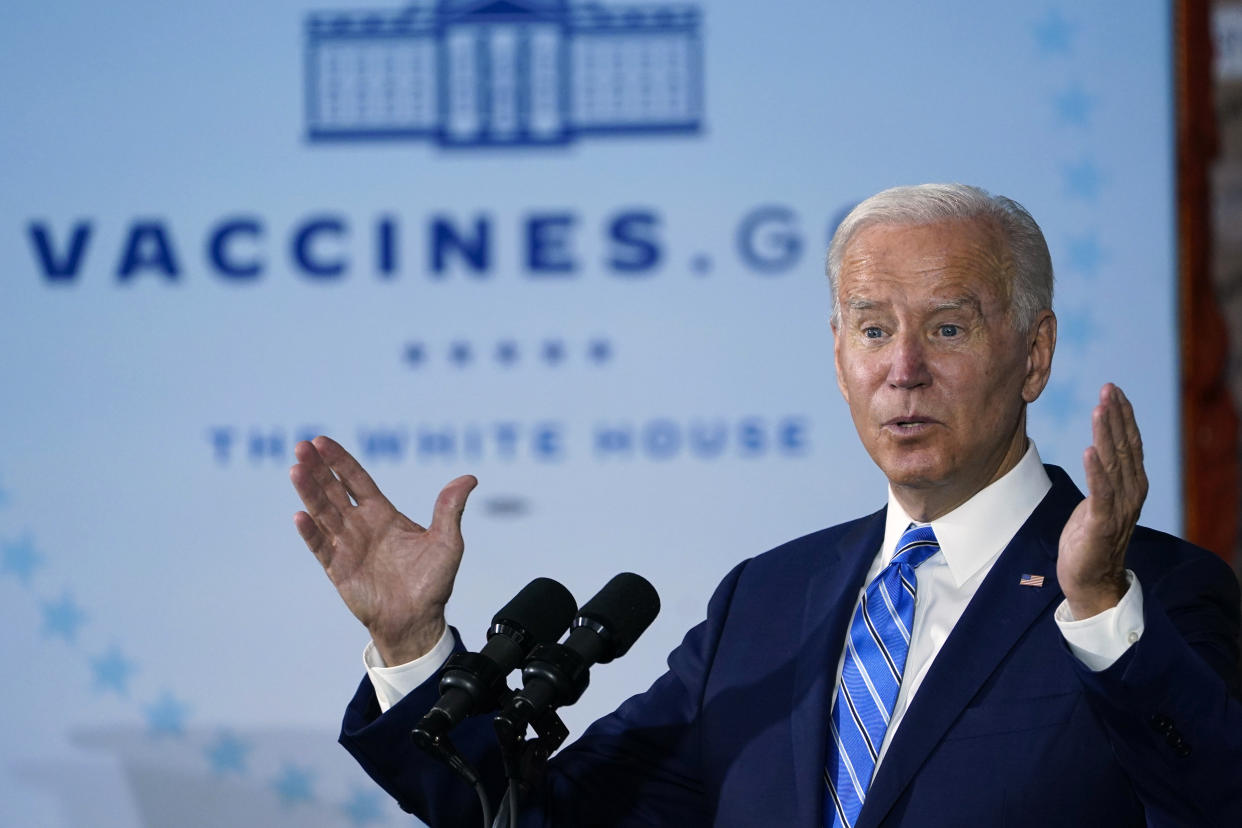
[
  {"x": 1101, "y": 433},
  {"x": 1099, "y": 484},
  {"x": 1133, "y": 437},
  {"x": 315, "y": 540},
  {"x": 1136, "y": 473},
  {"x": 309, "y": 456},
  {"x": 1129, "y": 427},
  {"x": 446, "y": 518},
  {"x": 353, "y": 476},
  {"x": 319, "y": 506},
  {"x": 1123, "y": 451}
]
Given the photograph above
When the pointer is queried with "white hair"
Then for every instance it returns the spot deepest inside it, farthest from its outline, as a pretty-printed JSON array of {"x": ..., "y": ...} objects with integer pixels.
[{"x": 1029, "y": 263}]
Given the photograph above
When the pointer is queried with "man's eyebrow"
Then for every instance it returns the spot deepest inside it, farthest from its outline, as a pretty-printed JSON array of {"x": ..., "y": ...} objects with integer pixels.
[
  {"x": 947, "y": 304},
  {"x": 957, "y": 304}
]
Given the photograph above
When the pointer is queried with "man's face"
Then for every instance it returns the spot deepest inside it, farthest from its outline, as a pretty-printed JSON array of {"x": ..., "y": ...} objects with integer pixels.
[{"x": 934, "y": 371}]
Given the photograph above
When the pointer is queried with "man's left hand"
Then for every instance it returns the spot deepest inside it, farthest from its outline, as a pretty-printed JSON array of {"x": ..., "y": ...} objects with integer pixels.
[{"x": 1091, "y": 559}]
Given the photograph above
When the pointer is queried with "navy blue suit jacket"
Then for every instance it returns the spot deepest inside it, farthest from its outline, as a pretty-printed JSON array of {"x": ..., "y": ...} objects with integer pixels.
[{"x": 1007, "y": 729}]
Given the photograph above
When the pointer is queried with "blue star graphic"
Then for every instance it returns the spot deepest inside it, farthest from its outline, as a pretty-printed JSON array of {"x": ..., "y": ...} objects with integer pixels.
[
  {"x": 20, "y": 558},
  {"x": 506, "y": 352},
  {"x": 1053, "y": 33},
  {"x": 1083, "y": 179},
  {"x": 63, "y": 618},
  {"x": 1077, "y": 327},
  {"x": 166, "y": 716},
  {"x": 1084, "y": 253},
  {"x": 363, "y": 808},
  {"x": 459, "y": 353},
  {"x": 600, "y": 350},
  {"x": 1074, "y": 106},
  {"x": 293, "y": 785},
  {"x": 414, "y": 353},
  {"x": 227, "y": 753},
  {"x": 553, "y": 351},
  {"x": 113, "y": 671},
  {"x": 1059, "y": 401}
]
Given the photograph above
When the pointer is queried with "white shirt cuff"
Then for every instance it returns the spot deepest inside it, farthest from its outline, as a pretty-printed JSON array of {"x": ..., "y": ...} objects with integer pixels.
[
  {"x": 1100, "y": 640},
  {"x": 392, "y": 684}
]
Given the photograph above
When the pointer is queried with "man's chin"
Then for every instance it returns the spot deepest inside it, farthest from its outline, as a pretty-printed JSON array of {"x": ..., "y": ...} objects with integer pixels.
[{"x": 915, "y": 476}]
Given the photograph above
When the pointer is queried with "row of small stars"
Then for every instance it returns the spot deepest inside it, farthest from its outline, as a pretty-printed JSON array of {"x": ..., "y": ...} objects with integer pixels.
[
  {"x": 1073, "y": 107},
  {"x": 508, "y": 353},
  {"x": 166, "y": 716}
]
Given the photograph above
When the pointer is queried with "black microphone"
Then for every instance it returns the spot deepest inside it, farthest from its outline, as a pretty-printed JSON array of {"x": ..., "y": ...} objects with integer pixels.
[
  {"x": 556, "y": 675},
  {"x": 472, "y": 683}
]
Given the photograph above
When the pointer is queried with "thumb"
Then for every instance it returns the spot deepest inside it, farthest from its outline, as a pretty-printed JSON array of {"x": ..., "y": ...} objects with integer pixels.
[{"x": 446, "y": 517}]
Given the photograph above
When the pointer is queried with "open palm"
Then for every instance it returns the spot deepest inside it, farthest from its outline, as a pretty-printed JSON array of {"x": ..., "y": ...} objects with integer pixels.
[
  {"x": 393, "y": 574},
  {"x": 1092, "y": 550}
]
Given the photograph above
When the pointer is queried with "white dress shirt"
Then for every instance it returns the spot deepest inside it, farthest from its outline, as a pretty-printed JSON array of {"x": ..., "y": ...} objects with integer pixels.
[{"x": 971, "y": 538}]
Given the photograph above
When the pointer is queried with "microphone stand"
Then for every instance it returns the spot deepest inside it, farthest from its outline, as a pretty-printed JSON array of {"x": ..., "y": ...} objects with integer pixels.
[
  {"x": 526, "y": 760},
  {"x": 442, "y": 748}
]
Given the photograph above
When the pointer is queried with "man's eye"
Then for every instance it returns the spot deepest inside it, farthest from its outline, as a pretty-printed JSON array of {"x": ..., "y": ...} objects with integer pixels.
[
  {"x": 949, "y": 330},
  {"x": 872, "y": 332}
]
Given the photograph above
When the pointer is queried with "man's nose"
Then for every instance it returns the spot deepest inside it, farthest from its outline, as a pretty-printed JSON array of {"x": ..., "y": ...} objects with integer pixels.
[{"x": 908, "y": 367}]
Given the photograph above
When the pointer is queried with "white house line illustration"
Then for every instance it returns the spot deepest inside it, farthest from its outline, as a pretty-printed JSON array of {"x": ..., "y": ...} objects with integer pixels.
[{"x": 503, "y": 72}]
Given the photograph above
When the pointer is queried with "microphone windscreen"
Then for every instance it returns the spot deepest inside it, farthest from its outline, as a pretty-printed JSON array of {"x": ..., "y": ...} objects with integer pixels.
[
  {"x": 625, "y": 607},
  {"x": 543, "y": 610}
]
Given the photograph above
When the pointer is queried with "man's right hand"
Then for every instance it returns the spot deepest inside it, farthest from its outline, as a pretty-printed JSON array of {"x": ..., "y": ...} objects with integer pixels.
[{"x": 393, "y": 574}]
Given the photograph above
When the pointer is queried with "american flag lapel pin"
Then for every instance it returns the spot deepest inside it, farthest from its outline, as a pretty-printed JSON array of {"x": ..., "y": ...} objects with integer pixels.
[{"x": 1031, "y": 580}]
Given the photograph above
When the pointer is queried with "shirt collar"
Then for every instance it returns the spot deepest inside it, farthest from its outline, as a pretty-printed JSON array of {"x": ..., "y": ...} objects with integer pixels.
[{"x": 974, "y": 533}]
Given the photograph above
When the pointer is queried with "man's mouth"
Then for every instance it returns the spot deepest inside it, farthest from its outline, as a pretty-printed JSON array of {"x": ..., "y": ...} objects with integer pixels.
[{"x": 909, "y": 424}]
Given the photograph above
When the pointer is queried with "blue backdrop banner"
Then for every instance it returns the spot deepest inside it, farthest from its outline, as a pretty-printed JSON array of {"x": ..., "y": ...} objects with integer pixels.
[{"x": 573, "y": 248}]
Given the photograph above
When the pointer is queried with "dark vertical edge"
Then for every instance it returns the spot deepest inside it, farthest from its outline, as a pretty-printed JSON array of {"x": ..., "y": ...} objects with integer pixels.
[{"x": 1209, "y": 422}]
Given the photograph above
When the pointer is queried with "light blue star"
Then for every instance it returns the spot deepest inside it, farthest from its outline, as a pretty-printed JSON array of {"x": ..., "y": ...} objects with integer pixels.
[
  {"x": 1053, "y": 33},
  {"x": 363, "y": 808},
  {"x": 1077, "y": 327},
  {"x": 553, "y": 351},
  {"x": 166, "y": 716},
  {"x": 1083, "y": 179},
  {"x": 507, "y": 353},
  {"x": 1084, "y": 253},
  {"x": 113, "y": 671},
  {"x": 63, "y": 618},
  {"x": 1074, "y": 106},
  {"x": 20, "y": 558},
  {"x": 600, "y": 350},
  {"x": 460, "y": 353},
  {"x": 1059, "y": 401},
  {"x": 293, "y": 785},
  {"x": 228, "y": 753},
  {"x": 414, "y": 353}
]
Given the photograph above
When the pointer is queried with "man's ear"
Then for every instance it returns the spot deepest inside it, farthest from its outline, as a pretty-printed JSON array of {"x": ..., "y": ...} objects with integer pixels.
[
  {"x": 1042, "y": 342},
  {"x": 836, "y": 359}
]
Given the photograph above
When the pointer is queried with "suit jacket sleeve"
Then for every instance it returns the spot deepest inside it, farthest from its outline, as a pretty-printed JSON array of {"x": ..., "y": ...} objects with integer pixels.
[
  {"x": 1170, "y": 705},
  {"x": 639, "y": 764}
]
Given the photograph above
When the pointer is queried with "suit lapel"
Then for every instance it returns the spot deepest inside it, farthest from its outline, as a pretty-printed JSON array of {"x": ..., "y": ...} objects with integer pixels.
[
  {"x": 830, "y": 596},
  {"x": 995, "y": 619}
]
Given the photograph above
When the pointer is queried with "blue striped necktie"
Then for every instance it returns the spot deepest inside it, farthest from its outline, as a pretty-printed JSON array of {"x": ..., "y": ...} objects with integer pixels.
[{"x": 875, "y": 658}]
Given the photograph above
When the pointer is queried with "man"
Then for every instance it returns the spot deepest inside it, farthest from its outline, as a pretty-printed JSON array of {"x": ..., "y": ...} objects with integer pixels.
[{"x": 914, "y": 667}]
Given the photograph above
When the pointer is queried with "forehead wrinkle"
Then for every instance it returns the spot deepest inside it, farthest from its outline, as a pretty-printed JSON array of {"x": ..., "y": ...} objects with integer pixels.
[
  {"x": 965, "y": 301},
  {"x": 986, "y": 256}
]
